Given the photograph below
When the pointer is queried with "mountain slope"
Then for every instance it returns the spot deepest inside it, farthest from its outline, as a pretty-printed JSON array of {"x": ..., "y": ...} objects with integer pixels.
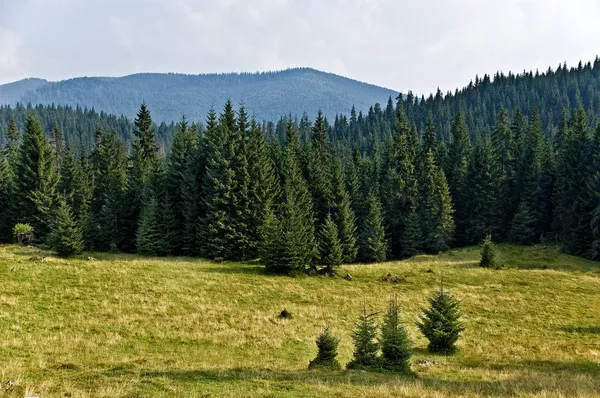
[
  {"x": 13, "y": 92},
  {"x": 267, "y": 95}
]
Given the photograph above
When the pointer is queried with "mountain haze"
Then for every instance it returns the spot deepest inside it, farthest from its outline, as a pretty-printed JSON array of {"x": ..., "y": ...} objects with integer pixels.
[{"x": 267, "y": 95}]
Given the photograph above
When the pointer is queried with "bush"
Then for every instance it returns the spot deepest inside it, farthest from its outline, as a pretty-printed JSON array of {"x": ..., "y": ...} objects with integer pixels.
[
  {"x": 327, "y": 346},
  {"x": 488, "y": 253},
  {"x": 365, "y": 344},
  {"x": 23, "y": 233},
  {"x": 395, "y": 345},
  {"x": 440, "y": 324}
]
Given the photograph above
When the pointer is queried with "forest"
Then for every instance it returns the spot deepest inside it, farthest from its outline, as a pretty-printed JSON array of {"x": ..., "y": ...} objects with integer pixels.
[{"x": 516, "y": 158}]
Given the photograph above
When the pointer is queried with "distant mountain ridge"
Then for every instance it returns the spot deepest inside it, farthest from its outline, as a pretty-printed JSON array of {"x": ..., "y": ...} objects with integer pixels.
[{"x": 266, "y": 95}]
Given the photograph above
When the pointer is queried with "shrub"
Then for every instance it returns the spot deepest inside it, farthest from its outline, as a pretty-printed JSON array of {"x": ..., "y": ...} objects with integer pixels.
[
  {"x": 440, "y": 324},
  {"x": 488, "y": 253},
  {"x": 23, "y": 233},
  {"x": 327, "y": 346}
]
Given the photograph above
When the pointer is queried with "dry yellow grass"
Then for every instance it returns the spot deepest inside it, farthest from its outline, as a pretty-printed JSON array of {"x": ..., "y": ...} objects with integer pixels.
[{"x": 128, "y": 326}]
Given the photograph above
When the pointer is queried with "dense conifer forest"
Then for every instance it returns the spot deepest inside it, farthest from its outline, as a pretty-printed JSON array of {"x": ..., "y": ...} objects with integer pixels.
[{"x": 515, "y": 157}]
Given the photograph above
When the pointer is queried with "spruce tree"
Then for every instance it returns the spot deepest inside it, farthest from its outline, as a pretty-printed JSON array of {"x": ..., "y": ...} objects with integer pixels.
[
  {"x": 440, "y": 323},
  {"x": 481, "y": 202},
  {"x": 395, "y": 344},
  {"x": 36, "y": 179},
  {"x": 219, "y": 187},
  {"x": 5, "y": 194},
  {"x": 144, "y": 156},
  {"x": 343, "y": 214},
  {"x": 372, "y": 242},
  {"x": 330, "y": 247},
  {"x": 366, "y": 346},
  {"x": 150, "y": 236},
  {"x": 435, "y": 208},
  {"x": 327, "y": 346},
  {"x": 318, "y": 164},
  {"x": 288, "y": 234},
  {"x": 503, "y": 149},
  {"x": 179, "y": 164},
  {"x": 488, "y": 253},
  {"x": 459, "y": 154},
  {"x": 108, "y": 165},
  {"x": 66, "y": 237}
]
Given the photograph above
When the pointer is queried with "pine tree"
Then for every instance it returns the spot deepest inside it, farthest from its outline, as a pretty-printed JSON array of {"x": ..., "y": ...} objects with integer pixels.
[
  {"x": 150, "y": 239},
  {"x": 108, "y": 170},
  {"x": 522, "y": 230},
  {"x": 372, "y": 242},
  {"x": 263, "y": 184},
  {"x": 36, "y": 179},
  {"x": 395, "y": 344},
  {"x": 219, "y": 187},
  {"x": 144, "y": 156},
  {"x": 330, "y": 247},
  {"x": 288, "y": 235},
  {"x": 343, "y": 214},
  {"x": 327, "y": 346},
  {"x": 365, "y": 342},
  {"x": 488, "y": 253},
  {"x": 400, "y": 190},
  {"x": 5, "y": 195},
  {"x": 503, "y": 150},
  {"x": 66, "y": 237},
  {"x": 319, "y": 169},
  {"x": 481, "y": 196},
  {"x": 435, "y": 209},
  {"x": 440, "y": 323},
  {"x": 459, "y": 154},
  {"x": 179, "y": 163}
]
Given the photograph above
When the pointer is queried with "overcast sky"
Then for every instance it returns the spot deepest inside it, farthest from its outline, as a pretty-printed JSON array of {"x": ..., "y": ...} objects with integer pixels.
[{"x": 416, "y": 45}]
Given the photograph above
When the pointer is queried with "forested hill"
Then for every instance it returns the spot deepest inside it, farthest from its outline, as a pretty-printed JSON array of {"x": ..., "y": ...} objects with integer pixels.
[
  {"x": 551, "y": 92},
  {"x": 267, "y": 96}
]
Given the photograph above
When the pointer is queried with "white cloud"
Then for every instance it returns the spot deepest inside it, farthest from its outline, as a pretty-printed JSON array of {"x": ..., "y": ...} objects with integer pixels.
[
  {"x": 401, "y": 44},
  {"x": 10, "y": 63}
]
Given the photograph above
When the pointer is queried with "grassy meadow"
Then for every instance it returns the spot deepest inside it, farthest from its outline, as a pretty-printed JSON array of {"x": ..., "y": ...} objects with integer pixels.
[{"x": 129, "y": 326}]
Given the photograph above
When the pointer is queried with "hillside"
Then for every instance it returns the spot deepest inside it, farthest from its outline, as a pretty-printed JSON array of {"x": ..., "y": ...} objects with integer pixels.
[
  {"x": 268, "y": 95},
  {"x": 125, "y": 325}
]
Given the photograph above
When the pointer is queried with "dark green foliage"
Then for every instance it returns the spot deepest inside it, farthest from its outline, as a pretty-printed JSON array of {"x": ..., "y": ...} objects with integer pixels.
[
  {"x": 435, "y": 209},
  {"x": 343, "y": 214},
  {"x": 330, "y": 247},
  {"x": 372, "y": 242},
  {"x": 36, "y": 179},
  {"x": 319, "y": 170},
  {"x": 440, "y": 323},
  {"x": 66, "y": 237},
  {"x": 457, "y": 166},
  {"x": 150, "y": 237},
  {"x": 482, "y": 194},
  {"x": 109, "y": 173},
  {"x": 365, "y": 343},
  {"x": 395, "y": 344},
  {"x": 411, "y": 239},
  {"x": 488, "y": 253},
  {"x": 523, "y": 226},
  {"x": 143, "y": 159},
  {"x": 288, "y": 234},
  {"x": 327, "y": 346}
]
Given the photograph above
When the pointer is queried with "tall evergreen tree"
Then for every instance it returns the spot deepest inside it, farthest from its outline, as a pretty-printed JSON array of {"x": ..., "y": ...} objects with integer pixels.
[
  {"x": 144, "y": 156},
  {"x": 330, "y": 247},
  {"x": 372, "y": 242},
  {"x": 435, "y": 210},
  {"x": 319, "y": 169},
  {"x": 459, "y": 153},
  {"x": 343, "y": 214},
  {"x": 36, "y": 178}
]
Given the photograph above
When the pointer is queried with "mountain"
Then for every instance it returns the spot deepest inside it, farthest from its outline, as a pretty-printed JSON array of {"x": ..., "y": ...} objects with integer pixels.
[{"x": 267, "y": 95}]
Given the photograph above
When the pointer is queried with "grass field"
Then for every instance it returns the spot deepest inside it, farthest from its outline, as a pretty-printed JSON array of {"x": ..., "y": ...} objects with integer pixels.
[{"x": 129, "y": 326}]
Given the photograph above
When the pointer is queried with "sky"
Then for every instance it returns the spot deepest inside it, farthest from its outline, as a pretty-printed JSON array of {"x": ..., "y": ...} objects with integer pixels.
[{"x": 404, "y": 45}]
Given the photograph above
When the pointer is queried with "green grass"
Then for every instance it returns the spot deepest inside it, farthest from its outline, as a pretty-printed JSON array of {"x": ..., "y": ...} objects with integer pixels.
[{"x": 129, "y": 326}]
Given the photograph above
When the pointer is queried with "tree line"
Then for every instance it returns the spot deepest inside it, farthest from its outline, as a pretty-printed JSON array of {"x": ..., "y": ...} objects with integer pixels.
[{"x": 227, "y": 191}]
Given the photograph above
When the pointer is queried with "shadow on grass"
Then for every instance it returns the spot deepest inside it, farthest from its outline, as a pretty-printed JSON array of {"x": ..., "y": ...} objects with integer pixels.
[
  {"x": 550, "y": 367},
  {"x": 582, "y": 330},
  {"x": 493, "y": 388}
]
